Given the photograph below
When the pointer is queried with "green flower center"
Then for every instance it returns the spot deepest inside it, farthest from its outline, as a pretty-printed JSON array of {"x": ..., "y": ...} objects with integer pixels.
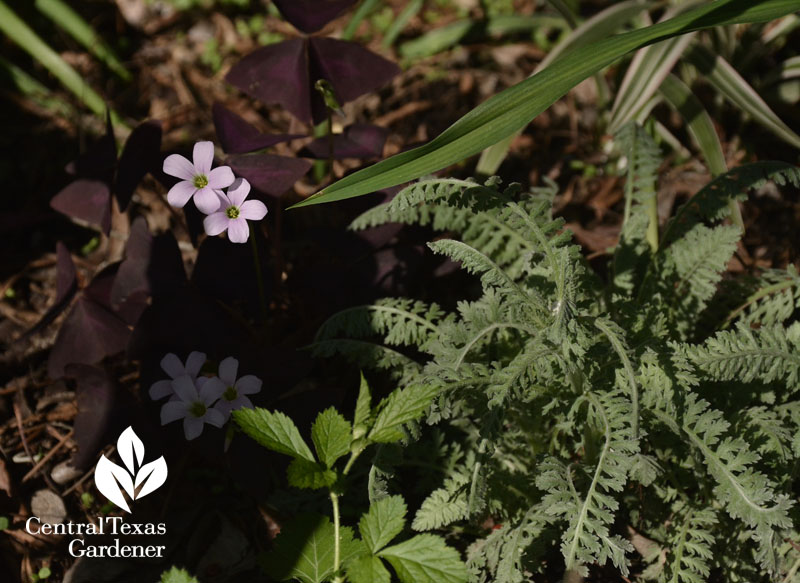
[
  {"x": 230, "y": 394},
  {"x": 198, "y": 409},
  {"x": 232, "y": 212},
  {"x": 200, "y": 181}
]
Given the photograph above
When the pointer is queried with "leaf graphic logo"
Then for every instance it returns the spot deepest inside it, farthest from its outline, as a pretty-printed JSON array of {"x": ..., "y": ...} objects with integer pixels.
[{"x": 112, "y": 480}]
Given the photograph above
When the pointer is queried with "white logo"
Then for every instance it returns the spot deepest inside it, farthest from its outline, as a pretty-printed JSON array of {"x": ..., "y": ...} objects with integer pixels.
[{"x": 112, "y": 479}]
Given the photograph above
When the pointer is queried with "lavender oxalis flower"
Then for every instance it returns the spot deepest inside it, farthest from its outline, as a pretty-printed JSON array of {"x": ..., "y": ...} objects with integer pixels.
[
  {"x": 198, "y": 180},
  {"x": 234, "y": 211},
  {"x": 173, "y": 366},
  {"x": 193, "y": 406},
  {"x": 233, "y": 391}
]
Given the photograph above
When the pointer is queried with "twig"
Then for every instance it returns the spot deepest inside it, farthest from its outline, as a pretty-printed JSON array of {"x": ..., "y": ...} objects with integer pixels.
[{"x": 35, "y": 469}]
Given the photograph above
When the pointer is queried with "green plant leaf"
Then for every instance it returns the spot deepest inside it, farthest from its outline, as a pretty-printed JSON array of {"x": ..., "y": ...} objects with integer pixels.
[
  {"x": 401, "y": 407},
  {"x": 361, "y": 420},
  {"x": 19, "y": 32},
  {"x": 302, "y": 473},
  {"x": 367, "y": 569},
  {"x": 305, "y": 547},
  {"x": 735, "y": 89},
  {"x": 384, "y": 521},
  {"x": 426, "y": 558},
  {"x": 65, "y": 17},
  {"x": 176, "y": 575},
  {"x": 331, "y": 436},
  {"x": 506, "y": 112},
  {"x": 274, "y": 431}
]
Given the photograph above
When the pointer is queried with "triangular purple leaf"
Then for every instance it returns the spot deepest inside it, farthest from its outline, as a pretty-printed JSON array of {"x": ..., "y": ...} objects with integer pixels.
[
  {"x": 269, "y": 174},
  {"x": 277, "y": 73},
  {"x": 96, "y": 394},
  {"x": 357, "y": 141},
  {"x": 152, "y": 265},
  {"x": 87, "y": 201},
  {"x": 351, "y": 69},
  {"x": 237, "y": 136},
  {"x": 311, "y": 15},
  {"x": 99, "y": 159},
  {"x": 87, "y": 336},
  {"x": 141, "y": 154}
]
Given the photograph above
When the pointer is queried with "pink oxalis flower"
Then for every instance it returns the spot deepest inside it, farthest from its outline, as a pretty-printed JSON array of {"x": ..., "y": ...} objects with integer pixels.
[
  {"x": 233, "y": 212},
  {"x": 193, "y": 406},
  {"x": 233, "y": 391},
  {"x": 198, "y": 180},
  {"x": 173, "y": 366}
]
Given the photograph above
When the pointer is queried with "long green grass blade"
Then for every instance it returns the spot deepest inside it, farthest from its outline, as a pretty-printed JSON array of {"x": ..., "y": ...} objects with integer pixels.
[
  {"x": 644, "y": 75},
  {"x": 503, "y": 114},
  {"x": 65, "y": 17},
  {"x": 735, "y": 89},
  {"x": 363, "y": 10},
  {"x": 34, "y": 91},
  {"x": 599, "y": 26},
  {"x": 409, "y": 12},
  {"x": 701, "y": 129},
  {"x": 19, "y": 32}
]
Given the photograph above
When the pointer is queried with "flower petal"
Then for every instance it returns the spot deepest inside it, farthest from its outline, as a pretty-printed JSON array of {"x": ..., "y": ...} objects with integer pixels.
[
  {"x": 248, "y": 385},
  {"x": 214, "y": 417},
  {"x": 224, "y": 407},
  {"x": 194, "y": 363},
  {"x": 203, "y": 156},
  {"x": 212, "y": 390},
  {"x": 192, "y": 427},
  {"x": 242, "y": 402},
  {"x": 238, "y": 191},
  {"x": 172, "y": 365},
  {"x": 238, "y": 231},
  {"x": 160, "y": 390},
  {"x": 216, "y": 223},
  {"x": 221, "y": 177},
  {"x": 180, "y": 194},
  {"x": 227, "y": 371},
  {"x": 207, "y": 200},
  {"x": 179, "y": 167},
  {"x": 185, "y": 388},
  {"x": 172, "y": 411},
  {"x": 253, "y": 210}
]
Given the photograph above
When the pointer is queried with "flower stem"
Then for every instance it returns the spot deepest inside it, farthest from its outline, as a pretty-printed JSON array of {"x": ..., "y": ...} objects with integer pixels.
[
  {"x": 259, "y": 276},
  {"x": 337, "y": 578}
]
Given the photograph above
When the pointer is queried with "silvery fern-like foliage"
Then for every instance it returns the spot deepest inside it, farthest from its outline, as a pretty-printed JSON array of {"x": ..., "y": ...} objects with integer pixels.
[{"x": 658, "y": 404}]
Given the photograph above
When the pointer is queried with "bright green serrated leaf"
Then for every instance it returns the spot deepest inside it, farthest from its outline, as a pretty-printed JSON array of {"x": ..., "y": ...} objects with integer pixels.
[
  {"x": 512, "y": 109},
  {"x": 402, "y": 406},
  {"x": 302, "y": 473},
  {"x": 363, "y": 409},
  {"x": 367, "y": 569},
  {"x": 176, "y": 575},
  {"x": 384, "y": 521},
  {"x": 331, "y": 436},
  {"x": 426, "y": 558},
  {"x": 305, "y": 547},
  {"x": 274, "y": 431}
]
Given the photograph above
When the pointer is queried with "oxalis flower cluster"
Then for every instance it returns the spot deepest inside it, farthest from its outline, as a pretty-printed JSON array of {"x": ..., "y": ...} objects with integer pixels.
[
  {"x": 199, "y": 182},
  {"x": 199, "y": 399}
]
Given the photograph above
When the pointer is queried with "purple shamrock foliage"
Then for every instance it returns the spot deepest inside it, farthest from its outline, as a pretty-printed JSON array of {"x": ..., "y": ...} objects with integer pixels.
[
  {"x": 356, "y": 141},
  {"x": 311, "y": 15},
  {"x": 285, "y": 73},
  {"x": 237, "y": 136}
]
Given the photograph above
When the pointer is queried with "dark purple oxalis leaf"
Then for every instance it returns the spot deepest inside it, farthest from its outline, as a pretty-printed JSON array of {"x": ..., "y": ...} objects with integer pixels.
[
  {"x": 351, "y": 69},
  {"x": 66, "y": 287},
  {"x": 152, "y": 266},
  {"x": 285, "y": 73},
  {"x": 96, "y": 394},
  {"x": 87, "y": 201},
  {"x": 269, "y": 174},
  {"x": 237, "y": 136},
  {"x": 141, "y": 154},
  {"x": 277, "y": 73},
  {"x": 99, "y": 159},
  {"x": 357, "y": 141},
  {"x": 87, "y": 336},
  {"x": 311, "y": 15}
]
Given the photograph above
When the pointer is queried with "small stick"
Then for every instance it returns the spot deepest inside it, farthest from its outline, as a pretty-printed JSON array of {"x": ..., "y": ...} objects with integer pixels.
[{"x": 35, "y": 469}]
